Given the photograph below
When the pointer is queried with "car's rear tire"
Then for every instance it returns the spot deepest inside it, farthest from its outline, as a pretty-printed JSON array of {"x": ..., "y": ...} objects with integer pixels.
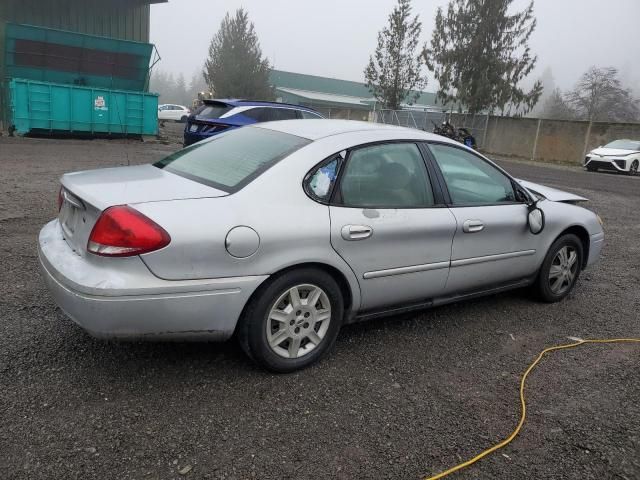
[
  {"x": 183, "y": 119},
  {"x": 633, "y": 168},
  {"x": 282, "y": 329},
  {"x": 560, "y": 269}
]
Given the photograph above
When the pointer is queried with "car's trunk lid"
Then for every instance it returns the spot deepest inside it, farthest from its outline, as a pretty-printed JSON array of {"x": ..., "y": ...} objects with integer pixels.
[{"x": 86, "y": 194}]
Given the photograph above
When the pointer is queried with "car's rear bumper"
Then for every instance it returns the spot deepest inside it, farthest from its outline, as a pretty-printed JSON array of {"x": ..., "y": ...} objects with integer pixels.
[{"x": 121, "y": 298}]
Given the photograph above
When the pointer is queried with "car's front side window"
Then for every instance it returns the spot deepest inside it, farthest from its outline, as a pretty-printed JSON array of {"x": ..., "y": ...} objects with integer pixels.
[
  {"x": 283, "y": 114},
  {"x": 258, "y": 114},
  {"x": 386, "y": 176},
  {"x": 471, "y": 180}
]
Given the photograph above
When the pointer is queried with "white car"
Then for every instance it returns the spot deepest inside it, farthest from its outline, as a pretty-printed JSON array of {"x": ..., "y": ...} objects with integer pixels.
[
  {"x": 617, "y": 156},
  {"x": 169, "y": 111}
]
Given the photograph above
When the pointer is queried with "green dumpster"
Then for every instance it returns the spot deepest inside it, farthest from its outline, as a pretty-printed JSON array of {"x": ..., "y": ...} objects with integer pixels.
[{"x": 44, "y": 107}]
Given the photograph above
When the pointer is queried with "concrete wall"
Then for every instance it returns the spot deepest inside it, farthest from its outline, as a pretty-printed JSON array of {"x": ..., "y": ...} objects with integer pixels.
[{"x": 550, "y": 140}]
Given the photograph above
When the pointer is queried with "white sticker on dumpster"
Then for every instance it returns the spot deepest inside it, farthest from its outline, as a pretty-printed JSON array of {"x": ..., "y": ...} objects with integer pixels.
[{"x": 100, "y": 104}]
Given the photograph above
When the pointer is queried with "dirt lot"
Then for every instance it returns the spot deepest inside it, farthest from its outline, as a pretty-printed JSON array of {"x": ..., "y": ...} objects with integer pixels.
[{"x": 397, "y": 398}]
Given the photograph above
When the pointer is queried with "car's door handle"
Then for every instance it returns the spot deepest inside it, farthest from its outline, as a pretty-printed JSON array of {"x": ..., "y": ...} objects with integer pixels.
[
  {"x": 472, "y": 226},
  {"x": 356, "y": 232}
]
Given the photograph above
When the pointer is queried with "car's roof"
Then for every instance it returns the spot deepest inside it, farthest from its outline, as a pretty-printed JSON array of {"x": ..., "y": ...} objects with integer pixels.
[
  {"x": 234, "y": 102},
  {"x": 315, "y": 129}
]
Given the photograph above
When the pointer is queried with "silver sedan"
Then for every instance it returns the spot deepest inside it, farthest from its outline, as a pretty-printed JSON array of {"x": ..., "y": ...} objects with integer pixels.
[{"x": 283, "y": 232}]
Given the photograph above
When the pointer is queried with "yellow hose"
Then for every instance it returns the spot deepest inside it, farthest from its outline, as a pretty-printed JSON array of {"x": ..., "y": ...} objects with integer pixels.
[{"x": 523, "y": 404}]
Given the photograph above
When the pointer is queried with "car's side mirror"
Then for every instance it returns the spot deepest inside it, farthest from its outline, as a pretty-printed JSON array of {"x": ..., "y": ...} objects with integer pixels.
[{"x": 535, "y": 219}]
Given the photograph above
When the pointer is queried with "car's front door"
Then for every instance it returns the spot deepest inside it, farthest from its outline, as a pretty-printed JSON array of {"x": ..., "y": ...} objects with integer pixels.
[
  {"x": 390, "y": 226},
  {"x": 492, "y": 243}
]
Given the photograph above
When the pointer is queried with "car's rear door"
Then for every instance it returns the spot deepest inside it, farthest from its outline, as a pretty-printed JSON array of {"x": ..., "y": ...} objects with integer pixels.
[
  {"x": 492, "y": 242},
  {"x": 390, "y": 225}
]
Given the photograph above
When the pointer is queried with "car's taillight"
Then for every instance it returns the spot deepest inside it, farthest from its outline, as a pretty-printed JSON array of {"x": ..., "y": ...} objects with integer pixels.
[
  {"x": 60, "y": 198},
  {"x": 122, "y": 231}
]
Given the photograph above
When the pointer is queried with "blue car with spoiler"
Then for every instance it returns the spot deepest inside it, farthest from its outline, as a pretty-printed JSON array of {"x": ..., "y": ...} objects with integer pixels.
[{"x": 216, "y": 116}]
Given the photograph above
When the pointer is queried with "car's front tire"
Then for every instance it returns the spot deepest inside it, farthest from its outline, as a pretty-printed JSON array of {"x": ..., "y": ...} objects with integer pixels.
[
  {"x": 293, "y": 320},
  {"x": 560, "y": 269},
  {"x": 633, "y": 168}
]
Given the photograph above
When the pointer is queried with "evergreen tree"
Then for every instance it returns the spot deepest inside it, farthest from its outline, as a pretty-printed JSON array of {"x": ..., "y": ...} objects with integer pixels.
[
  {"x": 479, "y": 54},
  {"x": 394, "y": 71},
  {"x": 181, "y": 96},
  {"x": 197, "y": 85},
  {"x": 235, "y": 67}
]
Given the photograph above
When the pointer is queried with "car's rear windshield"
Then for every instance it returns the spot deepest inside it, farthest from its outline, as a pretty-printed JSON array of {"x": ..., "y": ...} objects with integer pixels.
[
  {"x": 624, "y": 145},
  {"x": 231, "y": 160},
  {"x": 213, "y": 110}
]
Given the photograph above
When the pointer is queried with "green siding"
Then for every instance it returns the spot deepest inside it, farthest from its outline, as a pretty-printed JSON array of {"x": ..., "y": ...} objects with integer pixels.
[{"x": 126, "y": 20}]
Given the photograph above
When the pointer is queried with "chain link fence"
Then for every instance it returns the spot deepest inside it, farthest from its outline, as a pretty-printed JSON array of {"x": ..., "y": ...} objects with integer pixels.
[{"x": 428, "y": 120}]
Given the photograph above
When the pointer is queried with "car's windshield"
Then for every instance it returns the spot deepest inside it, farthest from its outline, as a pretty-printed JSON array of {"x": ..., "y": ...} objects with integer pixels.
[
  {"x": 231, "y": 160},
  {"x": 624, "y": 144}
]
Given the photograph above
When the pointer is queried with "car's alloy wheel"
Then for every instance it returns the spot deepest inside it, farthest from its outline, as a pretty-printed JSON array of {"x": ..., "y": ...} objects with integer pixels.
[
  {"x": 298, "y": 321},
  {"x": 633, "y": 169},
  {"x": 292, "y": 320},
  {"x": 560, "y": 269},
  {"x": 563, "y": 270}
]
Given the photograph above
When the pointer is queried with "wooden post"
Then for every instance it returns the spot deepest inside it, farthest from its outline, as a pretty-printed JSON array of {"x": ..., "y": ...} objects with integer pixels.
[{"x": 535, "y": 142}]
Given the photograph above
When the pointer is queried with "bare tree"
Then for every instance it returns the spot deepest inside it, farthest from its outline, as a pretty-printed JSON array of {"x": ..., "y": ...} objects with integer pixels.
[
  {"x": 394, "y": 73},
  {"x": 600, "y": 96}
]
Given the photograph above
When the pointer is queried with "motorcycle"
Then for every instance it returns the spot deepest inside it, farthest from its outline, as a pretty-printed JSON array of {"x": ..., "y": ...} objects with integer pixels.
[{"x": 460, "y": 134}]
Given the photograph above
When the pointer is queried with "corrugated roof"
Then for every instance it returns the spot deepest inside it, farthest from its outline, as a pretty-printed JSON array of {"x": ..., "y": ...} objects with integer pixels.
[
  {"x": 333, "y": 86},
  {"x": 328, "y": 97}
]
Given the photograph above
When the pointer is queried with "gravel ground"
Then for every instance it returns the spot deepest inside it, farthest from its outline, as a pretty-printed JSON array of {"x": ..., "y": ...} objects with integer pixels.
[{"x": 397, "y": 398}]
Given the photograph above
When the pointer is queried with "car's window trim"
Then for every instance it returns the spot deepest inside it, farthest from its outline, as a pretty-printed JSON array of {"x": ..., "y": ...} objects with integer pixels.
[
  {"x": 336, "y": 196},
  {"x": 445, "y": 189}
]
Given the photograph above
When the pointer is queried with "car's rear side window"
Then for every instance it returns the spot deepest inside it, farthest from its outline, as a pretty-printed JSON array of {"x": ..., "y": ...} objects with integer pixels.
[
  {"x": 213, "y": 110},
  {"x": 230, "y": 160}
]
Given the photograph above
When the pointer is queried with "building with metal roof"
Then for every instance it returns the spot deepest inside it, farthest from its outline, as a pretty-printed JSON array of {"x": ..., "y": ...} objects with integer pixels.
[
  {"x": 336, "y": 98},
  {"x": 116, "y": 19}
]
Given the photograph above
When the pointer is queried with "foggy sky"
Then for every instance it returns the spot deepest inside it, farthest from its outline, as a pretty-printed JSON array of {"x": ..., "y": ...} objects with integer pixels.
[{"x": 334, "y": 38}]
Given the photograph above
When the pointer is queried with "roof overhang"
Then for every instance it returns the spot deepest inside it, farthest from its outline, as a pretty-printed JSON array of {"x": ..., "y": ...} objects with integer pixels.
[{"x": 321, "y": 98}]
